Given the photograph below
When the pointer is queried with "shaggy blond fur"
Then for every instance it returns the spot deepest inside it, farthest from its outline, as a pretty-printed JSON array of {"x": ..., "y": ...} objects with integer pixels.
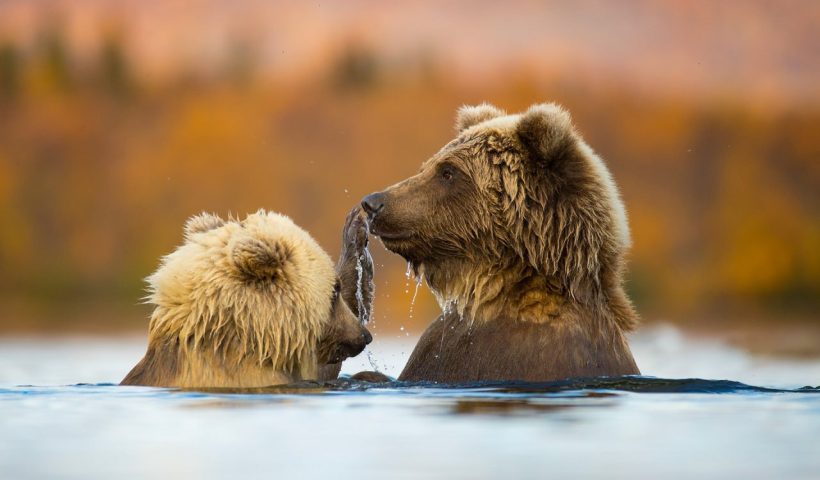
[{"x": 240, "y": 303}]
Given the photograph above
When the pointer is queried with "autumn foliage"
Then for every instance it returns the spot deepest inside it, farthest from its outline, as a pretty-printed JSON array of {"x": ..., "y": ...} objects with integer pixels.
[{"x": 100, "y": 166}]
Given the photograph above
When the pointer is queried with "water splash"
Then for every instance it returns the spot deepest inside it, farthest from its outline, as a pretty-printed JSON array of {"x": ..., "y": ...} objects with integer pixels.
[
  {"x": 451, "y": 307},
  {"x": 372, "y": 361},
  {"x": 359, "y": 294},
  {"x": 365, "y": 311}
]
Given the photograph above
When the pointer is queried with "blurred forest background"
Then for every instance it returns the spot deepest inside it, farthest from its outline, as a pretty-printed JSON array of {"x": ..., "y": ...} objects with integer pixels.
[{"x": 120, "y": 119}]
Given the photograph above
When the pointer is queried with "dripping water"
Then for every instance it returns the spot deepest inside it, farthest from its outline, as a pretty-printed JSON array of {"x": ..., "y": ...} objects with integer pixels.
[
  {"x": 363, "y": 313},
  {"x": 407, "y": 277},
  {"x": 411, "y": 269},
  {"x": 415, "y": 293}
]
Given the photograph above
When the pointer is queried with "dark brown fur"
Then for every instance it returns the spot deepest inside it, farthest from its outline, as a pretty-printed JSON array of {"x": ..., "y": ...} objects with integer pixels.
[
  {"x": 518, "y": 228},
  {"x": 157, "y": 367},
  {"x": 343, "y": 338},
  {"x": 455, "y": 350}
]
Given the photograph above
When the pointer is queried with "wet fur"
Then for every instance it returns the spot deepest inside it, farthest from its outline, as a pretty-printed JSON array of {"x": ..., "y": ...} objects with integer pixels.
[
  {"x": 525, "y": 244},
  {"x": 243, "y": 304},
  {"x": 354, "y": 256},
  {"x": 454, "y": 349}
]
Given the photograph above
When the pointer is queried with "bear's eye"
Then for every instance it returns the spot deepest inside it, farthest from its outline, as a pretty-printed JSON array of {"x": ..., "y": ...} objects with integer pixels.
[{"x": 447, "y": 173}]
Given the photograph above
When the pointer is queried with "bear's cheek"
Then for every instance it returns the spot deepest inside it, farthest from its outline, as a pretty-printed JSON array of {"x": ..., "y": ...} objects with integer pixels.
[
  {"x": 402, "y": 228},
  {"x": 441, "y": 230},
  {"x": 411, "y": 214}
]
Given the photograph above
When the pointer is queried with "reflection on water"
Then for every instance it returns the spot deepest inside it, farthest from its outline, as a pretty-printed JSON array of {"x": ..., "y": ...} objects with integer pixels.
[
  {"x": 528, "y": 405},
  {"x": 506, "y": 407},
  {"x": 637, "y": 427}
]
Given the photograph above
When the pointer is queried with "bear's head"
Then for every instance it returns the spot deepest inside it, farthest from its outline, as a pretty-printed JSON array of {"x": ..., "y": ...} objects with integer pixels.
[
  {"x": 511, "y": 193},
  {"x": 258, "y": 291}
]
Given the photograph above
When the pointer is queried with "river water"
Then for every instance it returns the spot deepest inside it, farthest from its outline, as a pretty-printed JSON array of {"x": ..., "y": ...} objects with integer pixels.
[{"x": 704, "y": 410}]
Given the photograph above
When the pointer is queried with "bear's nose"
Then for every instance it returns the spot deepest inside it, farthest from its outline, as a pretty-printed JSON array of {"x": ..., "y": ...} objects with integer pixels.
[
  {"x": 373, "y": 203},
  {"x": 367, "y": 337}
]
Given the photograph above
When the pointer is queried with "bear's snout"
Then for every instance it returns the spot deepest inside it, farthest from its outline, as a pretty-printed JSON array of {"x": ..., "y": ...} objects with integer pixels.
[
  {"x": 354, "y": 347},
  {"x": 373, "y": 203},
  {"x": 357, "y": 345}
]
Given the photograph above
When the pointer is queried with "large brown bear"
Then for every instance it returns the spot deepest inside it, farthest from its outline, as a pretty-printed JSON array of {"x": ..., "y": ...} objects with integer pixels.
[
  {"x": 519, "y": 230},
  {"x": 253, "y": 303}
]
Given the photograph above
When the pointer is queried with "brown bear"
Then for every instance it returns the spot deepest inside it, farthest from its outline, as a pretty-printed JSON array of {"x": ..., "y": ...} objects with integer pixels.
[
  {"x": 251, "y": 303},
  {"x": 519, "y": 230}
]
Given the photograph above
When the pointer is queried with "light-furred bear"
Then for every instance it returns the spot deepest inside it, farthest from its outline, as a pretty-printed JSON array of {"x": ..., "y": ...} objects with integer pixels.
[
  {"x": 519, "y": 230},
  {"x": 247, "y": 303}
]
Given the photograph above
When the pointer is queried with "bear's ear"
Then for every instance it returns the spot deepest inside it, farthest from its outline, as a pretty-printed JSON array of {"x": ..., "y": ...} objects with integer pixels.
[
  {"x": 259, "y": 259},
  {"x": 202, "y": 223},
  {"x": 468, "y": 116},
  {"x": 546, "y": 131}
]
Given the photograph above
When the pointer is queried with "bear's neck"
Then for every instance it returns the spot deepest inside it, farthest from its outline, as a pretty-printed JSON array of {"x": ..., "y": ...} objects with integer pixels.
[
  {"x": 215, "y": 351},
  {"x": 484, "y": 292}
]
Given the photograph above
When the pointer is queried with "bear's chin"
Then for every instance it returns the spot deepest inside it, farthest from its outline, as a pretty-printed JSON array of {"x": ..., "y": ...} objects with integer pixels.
[{"x": 344, "y": 351}]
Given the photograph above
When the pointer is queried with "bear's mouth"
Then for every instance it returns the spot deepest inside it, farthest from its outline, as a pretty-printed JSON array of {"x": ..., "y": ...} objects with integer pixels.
[
  {"x": 397, "y": 243},
  {"x": 393, "y": 236},
  {"x": 385, "y": 234}
]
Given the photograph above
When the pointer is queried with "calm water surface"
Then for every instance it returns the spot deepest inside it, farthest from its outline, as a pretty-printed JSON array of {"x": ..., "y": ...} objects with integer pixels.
[{"x": 62, "y": 417}]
